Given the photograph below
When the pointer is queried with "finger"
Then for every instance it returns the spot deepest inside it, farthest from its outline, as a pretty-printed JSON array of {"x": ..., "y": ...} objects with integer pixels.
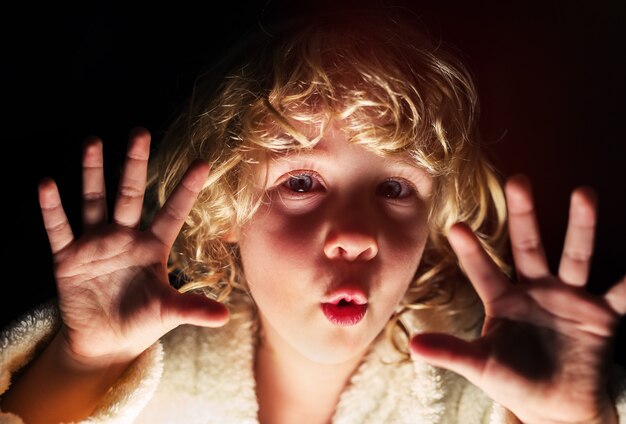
[
  {"x": 581, "y": 228},
  {"x": 170, "y": 219},
  {"x": 616, "y": 297},
  {"x": 94, "y": 195},
  {"x": 488, "y": 280},
  {"x": 129, "y": 200},
  {"x": 54, "y": 219},
  {"x": 528, "y": 253},
  {"x": 195, "y": 309},
  {"x": 445, "y": 351}
]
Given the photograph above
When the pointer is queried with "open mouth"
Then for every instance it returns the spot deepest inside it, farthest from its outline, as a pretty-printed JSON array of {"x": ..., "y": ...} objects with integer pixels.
[{"x": 345, "y": 311}]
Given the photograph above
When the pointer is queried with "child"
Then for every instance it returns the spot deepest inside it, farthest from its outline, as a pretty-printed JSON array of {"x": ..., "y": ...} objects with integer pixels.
[{"x": 325, "y": 191}]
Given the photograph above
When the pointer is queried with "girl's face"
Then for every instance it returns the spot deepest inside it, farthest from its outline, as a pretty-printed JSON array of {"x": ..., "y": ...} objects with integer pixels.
[{"x": 332, "y": 250}]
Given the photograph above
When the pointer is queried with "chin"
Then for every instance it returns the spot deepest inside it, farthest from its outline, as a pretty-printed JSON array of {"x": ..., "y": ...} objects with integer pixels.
[{"x": 334, "y": 349}]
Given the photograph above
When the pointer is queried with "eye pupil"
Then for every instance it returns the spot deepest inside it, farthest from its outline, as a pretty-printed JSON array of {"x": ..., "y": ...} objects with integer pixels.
[
  {"x": 390, "y": 189},
  {"x": 300, "y": 183}
]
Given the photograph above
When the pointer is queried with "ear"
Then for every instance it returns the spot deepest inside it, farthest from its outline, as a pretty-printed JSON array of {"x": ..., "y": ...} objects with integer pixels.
[{"x": 232, "y": 236}]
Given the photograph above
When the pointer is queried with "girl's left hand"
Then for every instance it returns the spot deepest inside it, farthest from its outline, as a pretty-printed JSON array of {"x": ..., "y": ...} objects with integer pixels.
[{"x": 546, "y": 345}]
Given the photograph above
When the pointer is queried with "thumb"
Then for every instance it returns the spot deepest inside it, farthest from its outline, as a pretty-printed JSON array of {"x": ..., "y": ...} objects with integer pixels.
[
  {"x": 445, "y": 351},
  {"x": 195, "y": 309}
]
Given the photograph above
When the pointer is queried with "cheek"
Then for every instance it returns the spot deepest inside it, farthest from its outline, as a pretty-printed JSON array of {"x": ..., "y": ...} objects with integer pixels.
[
  {"x": 401, "y": 245},
  {"x": 272, "y": 238},
  {"x": 403, "y": 235},
  {"x": 277, "y": 251}
]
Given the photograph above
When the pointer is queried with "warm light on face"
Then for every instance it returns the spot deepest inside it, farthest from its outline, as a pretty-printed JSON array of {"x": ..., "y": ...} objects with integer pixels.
[{"x": 336, "y": 220}]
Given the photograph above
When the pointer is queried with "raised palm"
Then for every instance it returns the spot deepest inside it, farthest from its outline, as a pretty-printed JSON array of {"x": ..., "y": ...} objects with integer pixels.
[
  {"x": 546, "y": 342},
  {"x": 113, "y": 291}
]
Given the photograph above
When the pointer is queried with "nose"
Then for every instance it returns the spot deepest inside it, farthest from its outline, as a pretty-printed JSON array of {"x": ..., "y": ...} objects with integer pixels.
[{"x": 350, "y": 245}]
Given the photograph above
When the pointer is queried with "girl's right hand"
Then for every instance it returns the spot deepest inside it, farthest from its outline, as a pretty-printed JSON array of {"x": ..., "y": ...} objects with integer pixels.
[{"x": 113, "y": 289}]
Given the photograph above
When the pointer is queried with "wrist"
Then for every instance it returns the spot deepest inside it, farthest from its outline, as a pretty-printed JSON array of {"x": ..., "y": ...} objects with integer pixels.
[
  {"x": 74, "y": 362},
  {"x": 64, "y": 386}
]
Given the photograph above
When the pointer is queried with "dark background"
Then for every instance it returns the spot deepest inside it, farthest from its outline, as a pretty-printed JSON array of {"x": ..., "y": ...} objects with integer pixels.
[{"x": 551, "y": 76}]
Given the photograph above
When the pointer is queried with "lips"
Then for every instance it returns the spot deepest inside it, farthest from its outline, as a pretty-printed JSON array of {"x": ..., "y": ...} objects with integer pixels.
[
  {"x": 345, "y": 307},
  {"x": 344, "y": 313}
]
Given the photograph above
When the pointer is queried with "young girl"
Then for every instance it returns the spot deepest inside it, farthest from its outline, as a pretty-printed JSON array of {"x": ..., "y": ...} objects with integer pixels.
[{"x": 338, "y": 220}]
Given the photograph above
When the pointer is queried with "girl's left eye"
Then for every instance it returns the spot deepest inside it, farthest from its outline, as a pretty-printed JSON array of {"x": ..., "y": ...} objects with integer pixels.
[{"x": 395, "y": 189}]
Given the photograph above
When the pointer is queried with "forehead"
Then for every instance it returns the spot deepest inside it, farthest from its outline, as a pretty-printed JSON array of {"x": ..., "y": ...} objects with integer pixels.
[{"x": 334, "y": 145}]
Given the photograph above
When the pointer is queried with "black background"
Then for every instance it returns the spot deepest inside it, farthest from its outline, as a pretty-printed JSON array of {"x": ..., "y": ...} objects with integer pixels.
[{"x": 551, "y": 76}]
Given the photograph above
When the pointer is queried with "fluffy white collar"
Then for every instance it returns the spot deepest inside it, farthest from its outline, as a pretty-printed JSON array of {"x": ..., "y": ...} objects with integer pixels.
[{"x": 208, "y": 377}]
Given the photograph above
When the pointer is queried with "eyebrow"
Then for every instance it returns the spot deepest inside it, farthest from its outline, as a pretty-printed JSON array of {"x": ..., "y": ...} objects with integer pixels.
[
  {"x": 320, "y": 152},
  {"x": 324, "y": 155}
]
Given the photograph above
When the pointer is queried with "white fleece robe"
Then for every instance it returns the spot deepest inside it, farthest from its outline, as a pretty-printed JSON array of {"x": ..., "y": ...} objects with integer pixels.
[{"x": 200, "y": 375}]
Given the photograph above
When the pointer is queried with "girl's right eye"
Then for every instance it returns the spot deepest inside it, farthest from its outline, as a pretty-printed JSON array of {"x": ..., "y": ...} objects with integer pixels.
[{"x": 302, "y": 183}]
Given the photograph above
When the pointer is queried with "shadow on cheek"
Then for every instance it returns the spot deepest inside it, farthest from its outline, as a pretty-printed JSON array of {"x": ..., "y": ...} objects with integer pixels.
[
  {"x": 291, "y": 234},
  {"x": 406, "y": 236}
]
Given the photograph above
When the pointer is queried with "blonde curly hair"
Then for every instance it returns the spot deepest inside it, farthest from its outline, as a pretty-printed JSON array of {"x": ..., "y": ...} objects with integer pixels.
[{"x": 392, "y": 89}]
